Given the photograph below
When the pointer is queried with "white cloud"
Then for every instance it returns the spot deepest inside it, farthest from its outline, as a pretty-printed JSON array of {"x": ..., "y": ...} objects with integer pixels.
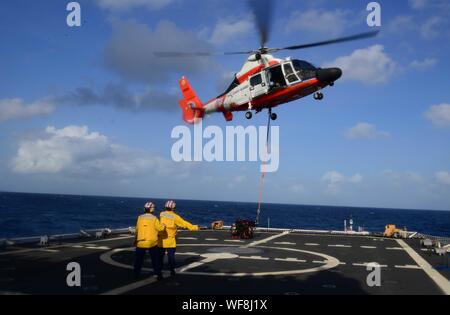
[
  {"x": 429, "y": 29},
  {"x": 402, "y": 23},
  {"x": 370, "y": 65},
  {"x": 335, "y": 180},
  {"x": 443, "y": 177},
  {"x": 437, "y": 5},
  {"x": 423, "y": 64},
  {"x": 399, "y": 177},
  {"x": 74, "y": 150},
  {"x": 240, "y": 178},
  {"x": 297, "y": 189},
  {"x": 226, "y": 31},
  {"x": 325, "y": 22},
  {"x": 131, "y": 4},
  {"x": 224, "y": 80},
  {"x": 364, "y": 130},
  {"x": 120, "y": 96},
  {"x": 17, "y": 109},
  {"x": 130, "y": 51},
  {"x": 439, "y": 115},
  {"x": 418, "y": 4}
]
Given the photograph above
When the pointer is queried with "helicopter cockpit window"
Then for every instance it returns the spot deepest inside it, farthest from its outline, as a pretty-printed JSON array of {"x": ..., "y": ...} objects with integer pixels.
[
  {"x": 256, "y": 80},
  {"x": 304, "y": 69},
  {"x": 289, "y": 73}
]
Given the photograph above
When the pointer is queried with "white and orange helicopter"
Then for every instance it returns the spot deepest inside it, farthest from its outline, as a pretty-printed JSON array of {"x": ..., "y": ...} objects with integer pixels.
[{"x": 264, "y": 81}]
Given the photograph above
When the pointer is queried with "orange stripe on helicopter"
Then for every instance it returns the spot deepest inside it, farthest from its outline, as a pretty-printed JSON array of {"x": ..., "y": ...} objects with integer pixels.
[{"x": 255, "y": 70}]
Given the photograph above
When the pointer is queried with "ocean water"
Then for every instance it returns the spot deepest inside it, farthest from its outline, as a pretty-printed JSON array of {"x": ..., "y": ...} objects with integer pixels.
[{"x": 38, "y": 214}]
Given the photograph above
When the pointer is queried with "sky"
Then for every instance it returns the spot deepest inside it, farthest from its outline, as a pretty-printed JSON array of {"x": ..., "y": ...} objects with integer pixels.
[{"x": 90, "y": 110}]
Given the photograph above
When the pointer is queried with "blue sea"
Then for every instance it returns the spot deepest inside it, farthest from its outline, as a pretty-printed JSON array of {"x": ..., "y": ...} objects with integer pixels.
[{"x": 37, "y": 214}]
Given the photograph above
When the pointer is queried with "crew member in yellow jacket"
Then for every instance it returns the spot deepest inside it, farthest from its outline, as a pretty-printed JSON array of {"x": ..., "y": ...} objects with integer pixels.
[
  {"x": 167, "y": 240},
  {"x": 147, "y": 232}
]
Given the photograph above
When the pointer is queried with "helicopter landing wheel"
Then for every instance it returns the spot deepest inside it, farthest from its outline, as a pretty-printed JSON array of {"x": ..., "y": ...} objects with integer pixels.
[
  {"x": 318, "y": 96},
  {"x": 273, "y": 116},
  {"x": 248, "y": 115}
]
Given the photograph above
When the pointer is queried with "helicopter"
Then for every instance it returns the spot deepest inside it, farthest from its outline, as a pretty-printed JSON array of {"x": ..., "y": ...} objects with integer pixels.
[{"x": 264, "y": 82}]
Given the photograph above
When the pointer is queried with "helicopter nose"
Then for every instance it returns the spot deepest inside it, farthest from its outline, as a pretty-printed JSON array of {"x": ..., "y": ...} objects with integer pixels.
[{"x": 329, "y": 75}]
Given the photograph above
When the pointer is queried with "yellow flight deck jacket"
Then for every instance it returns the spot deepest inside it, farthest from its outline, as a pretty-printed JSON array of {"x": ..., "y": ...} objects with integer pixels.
[
  {"x": 167, "y": 238},
  {"x": 147, "y": 229}
]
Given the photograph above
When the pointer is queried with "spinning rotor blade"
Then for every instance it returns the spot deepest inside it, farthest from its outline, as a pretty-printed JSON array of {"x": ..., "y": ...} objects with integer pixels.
[
  {"x": 328, "y": 42},
  {"x": 262, "y": 10},
  {"x": 173, "y": 54}
]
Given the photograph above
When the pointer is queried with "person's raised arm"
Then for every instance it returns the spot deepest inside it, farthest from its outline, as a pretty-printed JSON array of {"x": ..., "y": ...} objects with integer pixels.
[{"x": 185, "y": 224}]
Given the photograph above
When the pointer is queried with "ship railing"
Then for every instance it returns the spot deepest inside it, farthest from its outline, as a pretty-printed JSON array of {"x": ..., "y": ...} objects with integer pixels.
[
  {"x": 264, "y": 229},
  {"x": 106, "y": 232},
  {"x": 443, "y": 241},
  {"x": 46, "y": 239}
]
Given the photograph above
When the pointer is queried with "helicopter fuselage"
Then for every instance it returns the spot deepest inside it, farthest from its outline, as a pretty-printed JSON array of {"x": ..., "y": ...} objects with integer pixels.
[{"x": 264, "y": 82}]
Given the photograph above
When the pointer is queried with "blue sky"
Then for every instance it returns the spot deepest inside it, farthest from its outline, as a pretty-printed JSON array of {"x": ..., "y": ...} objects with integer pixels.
[{"x": 89, "y": 110}]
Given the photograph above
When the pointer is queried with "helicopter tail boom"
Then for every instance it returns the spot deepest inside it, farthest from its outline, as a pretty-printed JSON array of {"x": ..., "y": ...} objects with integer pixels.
[{"x": 190, "y": 105}]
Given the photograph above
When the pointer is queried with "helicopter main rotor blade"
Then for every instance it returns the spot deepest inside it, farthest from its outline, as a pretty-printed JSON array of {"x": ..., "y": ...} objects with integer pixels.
[
  {"x": 174, "y": 54},
  {"x": 262, "y": 10},
  {"x": 264, "y": 50},
  {"x": 328, "y": 42}
]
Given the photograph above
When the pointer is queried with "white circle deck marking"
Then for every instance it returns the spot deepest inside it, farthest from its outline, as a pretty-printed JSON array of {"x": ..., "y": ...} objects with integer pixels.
[
  {"x": 215, "y": 256},
  {"x": 329, "y": 262}
]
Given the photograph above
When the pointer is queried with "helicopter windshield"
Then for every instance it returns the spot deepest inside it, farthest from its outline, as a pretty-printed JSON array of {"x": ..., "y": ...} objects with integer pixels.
[
  {"x": 302, "y": 65},
  {"x": 289, "y": 72},
  {"x": 304, "y": 69}
]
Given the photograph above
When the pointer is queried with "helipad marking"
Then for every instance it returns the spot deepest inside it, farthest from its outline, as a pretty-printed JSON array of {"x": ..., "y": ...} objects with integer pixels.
[
  {"x": 291, "y": 260},
  {"x": 408, "y": 267},
  {"x": 254, "y": 257},
  {"x": 130, "y": 287},
  {"x": 209, "y": 257},
  {"x": 27, "y": 250},
  {"x": 285, "y": 243},
  {"x": 394, "y": 248},
  {"x": 106, "y": 257},
  {"x": 11, "y": 293},
  {"x": 367, "y": 264},
  {"x": 439, "y": 279},
  {"x": 50, "y": 250},
  {"x": 330, "y": 262},
  {"x": 188, "y": 254},
  {"x": 268, "y": 239},
  {"x": 98, "y": 247}
]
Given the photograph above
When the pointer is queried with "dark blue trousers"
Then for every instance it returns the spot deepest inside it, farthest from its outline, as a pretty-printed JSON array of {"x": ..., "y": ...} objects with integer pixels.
[
  {"x": 170, "y": 256},
  {"x": 154, "y": 255}
]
